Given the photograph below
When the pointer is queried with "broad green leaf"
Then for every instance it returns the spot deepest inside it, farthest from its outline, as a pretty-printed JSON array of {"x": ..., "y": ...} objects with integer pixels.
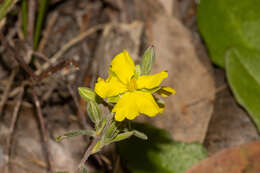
[
  {"x": 76, "y": 133},
  {"x": 158, "y": 154},
  {"x": 94, "y": 112},
  {"x": 228, "y": 23},
  {"x": 147, "y": 61},
  {"x": 243, "y": 73}
]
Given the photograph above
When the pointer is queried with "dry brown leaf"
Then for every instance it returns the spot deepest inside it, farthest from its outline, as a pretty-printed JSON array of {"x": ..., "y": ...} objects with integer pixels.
[
  {"x": 242, "y": 159},
  {"x": 187, "y": 114}
]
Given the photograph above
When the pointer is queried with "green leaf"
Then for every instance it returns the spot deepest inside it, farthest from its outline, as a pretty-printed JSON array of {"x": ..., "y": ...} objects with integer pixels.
[
  {"x": 87, "y": 94},
  {"x": 147, "y": 61},
  {"x": 122, "y": 136},
  {"x": 94, "y": 112},
  {"x": 158, "y": 154},
  {"x": 140, "y": 135},
  {"x": 231, "y": 31},
  {"x": 228, "y": 23},
  {"x": 243, "y": 74},
  {"x": 76, "y": 133}
]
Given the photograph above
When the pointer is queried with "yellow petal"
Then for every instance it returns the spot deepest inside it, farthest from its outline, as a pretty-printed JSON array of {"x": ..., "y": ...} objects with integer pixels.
[
  {"x": 111, "y": 87},
  {"x": 166, "y": 91},
  {"x": 123, "y": 66},
  {"x": 146, "y": 104},
  {"x": 131, "y": 104},
  {"x": 151, "y": 81},
  {"x": 126, "y": 107}
]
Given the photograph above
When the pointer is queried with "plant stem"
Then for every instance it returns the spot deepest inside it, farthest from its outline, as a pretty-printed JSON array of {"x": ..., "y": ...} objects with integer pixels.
[
  {"x": 43, "y": 130},
  {"x": 93, "y": 143},
  {"x": 39, "y": 22}
]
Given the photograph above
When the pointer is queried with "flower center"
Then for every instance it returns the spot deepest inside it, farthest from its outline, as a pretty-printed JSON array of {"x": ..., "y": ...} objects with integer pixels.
[{"x": 131, "y": 86}]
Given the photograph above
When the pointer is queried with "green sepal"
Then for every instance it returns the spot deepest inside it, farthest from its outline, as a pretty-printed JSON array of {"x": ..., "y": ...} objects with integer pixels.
[
  {"x": 137, "y": 71},
  {"x": 101, "y": 125},
  {"x": 164, "y": 92},
  {"x": 76, "y": 133},
  {"x": 112, "y": 130},
  {"x": 147, "y": 61},
  {"x": 113, "y": 99},
  {"x": 87, "y": 94},
  {"x": 153, "y": 90},
  {"x": 94, "y": 112}
]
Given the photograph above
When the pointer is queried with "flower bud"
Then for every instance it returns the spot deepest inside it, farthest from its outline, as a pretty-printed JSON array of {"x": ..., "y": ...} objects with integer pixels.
[{"x": 147, "y": 61}]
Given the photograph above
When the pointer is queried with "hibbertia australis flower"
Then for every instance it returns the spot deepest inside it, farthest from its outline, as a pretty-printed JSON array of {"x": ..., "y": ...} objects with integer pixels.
[{"x": 132, "y": 90}]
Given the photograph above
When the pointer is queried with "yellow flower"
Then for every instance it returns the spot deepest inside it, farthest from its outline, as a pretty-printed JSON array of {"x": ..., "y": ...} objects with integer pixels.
[{"x": 134, "y": 91}]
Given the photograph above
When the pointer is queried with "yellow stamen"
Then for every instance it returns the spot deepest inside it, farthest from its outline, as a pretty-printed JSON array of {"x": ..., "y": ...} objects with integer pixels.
[{"x": 132, "y": 85}]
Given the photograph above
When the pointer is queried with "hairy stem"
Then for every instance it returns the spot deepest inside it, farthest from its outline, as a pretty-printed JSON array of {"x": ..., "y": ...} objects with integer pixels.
[{"x": 93, "y": 143}]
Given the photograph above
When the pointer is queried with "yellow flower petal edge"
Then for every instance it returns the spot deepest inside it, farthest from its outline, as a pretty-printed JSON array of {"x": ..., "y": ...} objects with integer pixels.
[
  {"x": 126, "y": 107},
  {"x": 131, "y": 104},
  {"x": 151, "y": 81},
  {"x": 123, "y": 66},
  {"x": 109, "y": 88},
  {"x": 146, "y": 104},
  {"x": 166, "y": 91}
]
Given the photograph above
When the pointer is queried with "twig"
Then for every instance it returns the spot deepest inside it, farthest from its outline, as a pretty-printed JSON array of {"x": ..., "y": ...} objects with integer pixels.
[
  {"x": 76, "y": 101},
  {"x": 6, "y": 91},
  {"x": 61, "y": 65},
  {"x": 18, "y": 58},
  {"x": 25, "y": 166},
  {"x": 45, "y": 37},
  {"x": 93, "y": 143},
  {"x": 31, "y": 19},
  {"x": 72, "y": 42},
  {"x": 12, "y": 126},
  {"x": 43, "y": 129}
]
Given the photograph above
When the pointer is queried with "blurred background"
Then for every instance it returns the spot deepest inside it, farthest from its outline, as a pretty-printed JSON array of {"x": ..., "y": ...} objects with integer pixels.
[{"x": 49, "y": 48}]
